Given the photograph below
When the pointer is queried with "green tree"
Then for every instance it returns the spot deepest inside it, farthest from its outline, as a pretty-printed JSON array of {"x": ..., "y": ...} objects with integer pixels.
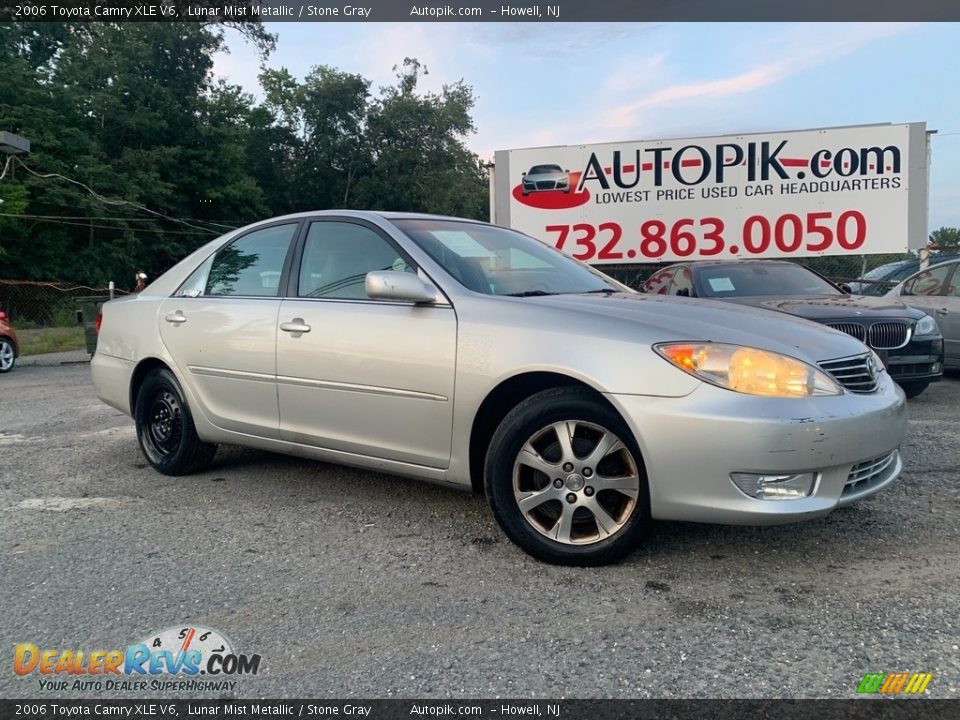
[
  {"x": 323, "y": 122},
  {"x": 945, "y": 237},
  {"x": 130, "y": 110},
  {"x": 417, "y": 141}
]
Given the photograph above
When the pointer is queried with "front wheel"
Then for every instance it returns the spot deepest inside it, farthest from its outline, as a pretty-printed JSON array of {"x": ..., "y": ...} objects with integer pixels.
[
  {"x": 912, "y": 389},
  {"x": 7, "y": 355},
  {"x": 565, "y": 479},
  {"x": 165, "y": 429}
]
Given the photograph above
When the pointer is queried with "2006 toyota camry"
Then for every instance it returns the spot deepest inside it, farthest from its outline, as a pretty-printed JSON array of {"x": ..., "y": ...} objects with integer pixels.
[{"x": 469, "y": 354}]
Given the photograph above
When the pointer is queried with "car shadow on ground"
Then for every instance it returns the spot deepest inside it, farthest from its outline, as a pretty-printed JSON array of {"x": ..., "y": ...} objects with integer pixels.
[{"x": 844, "y": 537}]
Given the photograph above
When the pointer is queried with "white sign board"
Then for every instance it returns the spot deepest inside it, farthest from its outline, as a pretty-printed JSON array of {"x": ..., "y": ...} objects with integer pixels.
[{"x": 833, "y": 191}]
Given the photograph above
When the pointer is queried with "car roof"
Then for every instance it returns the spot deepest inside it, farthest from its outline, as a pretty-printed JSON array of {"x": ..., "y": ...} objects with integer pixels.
[
  {"x": 365, "y": 215},
  {"x": 744, "y": 261}
]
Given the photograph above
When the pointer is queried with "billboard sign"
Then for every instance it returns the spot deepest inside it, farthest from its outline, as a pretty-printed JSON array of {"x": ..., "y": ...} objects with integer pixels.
[{"x": 831, "y": 191}]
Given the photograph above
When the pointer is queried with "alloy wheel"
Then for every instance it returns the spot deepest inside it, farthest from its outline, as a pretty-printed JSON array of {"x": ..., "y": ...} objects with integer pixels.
[
  {"x": 6, "y": 355},
  {"x": 576, "y": 482}
]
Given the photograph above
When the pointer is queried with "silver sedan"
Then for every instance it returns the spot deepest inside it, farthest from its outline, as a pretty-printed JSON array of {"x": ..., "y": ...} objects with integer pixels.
[{"x": 467, "y": 354}]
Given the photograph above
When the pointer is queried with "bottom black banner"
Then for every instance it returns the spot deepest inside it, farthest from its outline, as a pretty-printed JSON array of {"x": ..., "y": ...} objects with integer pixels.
[{"x": 864, "y": 708}]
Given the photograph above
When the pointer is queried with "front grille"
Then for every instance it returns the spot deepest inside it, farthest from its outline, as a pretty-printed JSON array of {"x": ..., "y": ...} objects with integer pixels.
[
  {"x": 546, "y": 185},
  {"x": 888, "y": 335},
  {"x": 870, "y": 473},
  {"x": 855, "y": 329},
  {"x": 879, "y": 336},
  {"x": 854, "y": 373}
]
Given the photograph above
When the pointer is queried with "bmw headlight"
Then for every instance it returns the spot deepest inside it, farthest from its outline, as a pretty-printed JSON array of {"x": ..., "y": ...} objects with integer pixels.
[
  {"x": 926, "y": 326},
  {"x": 749, "y": 370}
]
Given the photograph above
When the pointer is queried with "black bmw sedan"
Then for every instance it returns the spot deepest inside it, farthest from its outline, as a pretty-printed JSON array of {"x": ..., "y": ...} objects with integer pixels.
[{"x": 907, "y": 340}]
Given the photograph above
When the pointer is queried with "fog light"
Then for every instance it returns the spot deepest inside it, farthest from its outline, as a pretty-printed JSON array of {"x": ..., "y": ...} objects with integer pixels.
[
  {"x": 935, "y": 368},
  {"x": 774, "y": 487}
]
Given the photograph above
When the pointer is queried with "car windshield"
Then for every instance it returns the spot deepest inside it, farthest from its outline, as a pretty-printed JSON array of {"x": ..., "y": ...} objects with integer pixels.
[
  {"x": 543, "y": 169},
  {"x": 752, "y": 279},
  {"x": 496, "y": 261},
  {"x": 880, "y": 273}
]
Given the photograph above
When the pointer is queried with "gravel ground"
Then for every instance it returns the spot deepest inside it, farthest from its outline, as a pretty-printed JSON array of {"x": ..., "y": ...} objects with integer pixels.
[{"x": 354, "y": 584}]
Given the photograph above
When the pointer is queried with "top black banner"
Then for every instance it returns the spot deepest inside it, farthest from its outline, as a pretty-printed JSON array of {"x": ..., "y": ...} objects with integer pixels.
[{"x": 479, "y": 11}]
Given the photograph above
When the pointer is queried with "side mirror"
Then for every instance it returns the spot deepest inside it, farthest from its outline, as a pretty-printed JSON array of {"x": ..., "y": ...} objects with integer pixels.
[
  {"x": 399, "y": 286},
  {"x": 846, "y": 288},
  {"x": 523, "y": 174}
]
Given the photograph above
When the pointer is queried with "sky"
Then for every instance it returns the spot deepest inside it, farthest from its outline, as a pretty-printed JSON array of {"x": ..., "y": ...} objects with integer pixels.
[{"x": 542, "y": 84}]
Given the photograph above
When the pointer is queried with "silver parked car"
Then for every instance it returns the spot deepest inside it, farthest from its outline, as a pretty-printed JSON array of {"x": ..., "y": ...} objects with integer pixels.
[
  {"x": 936, "y": 290},
  {"x": 472, "y": 355}
]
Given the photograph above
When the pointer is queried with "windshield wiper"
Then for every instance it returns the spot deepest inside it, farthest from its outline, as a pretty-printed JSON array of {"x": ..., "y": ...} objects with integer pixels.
[
  {"x": 608, "y": 291},
  {"x": 530, "y": 293}
]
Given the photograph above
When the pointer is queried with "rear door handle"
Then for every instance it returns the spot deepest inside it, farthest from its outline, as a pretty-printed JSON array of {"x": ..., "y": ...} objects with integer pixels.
[
  {"x": 297, "y": 326},
  {"x": 176, "y": 317}
]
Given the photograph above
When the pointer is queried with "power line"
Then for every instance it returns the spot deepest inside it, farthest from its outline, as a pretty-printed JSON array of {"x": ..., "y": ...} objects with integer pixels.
[
  {"x": 57, "y": 221},
  {"x": 105, "y": 200},
  {"x": 110, "y": 218}
]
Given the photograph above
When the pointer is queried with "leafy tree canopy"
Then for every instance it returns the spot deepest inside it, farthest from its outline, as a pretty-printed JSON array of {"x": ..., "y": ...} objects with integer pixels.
[{"x": 134, "y": 112}]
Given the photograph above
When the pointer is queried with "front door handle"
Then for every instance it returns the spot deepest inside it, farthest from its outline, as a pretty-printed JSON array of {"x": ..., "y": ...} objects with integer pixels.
[
  {"x": 176, "y": 317},
  {"x": 297, "y": 326},
  {"x": 942, "y": 312}
]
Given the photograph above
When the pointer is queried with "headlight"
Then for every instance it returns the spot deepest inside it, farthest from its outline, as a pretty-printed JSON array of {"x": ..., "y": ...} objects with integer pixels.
[
  {"x": 926, "y": 326},
  {"x": 749, "y": 370}
]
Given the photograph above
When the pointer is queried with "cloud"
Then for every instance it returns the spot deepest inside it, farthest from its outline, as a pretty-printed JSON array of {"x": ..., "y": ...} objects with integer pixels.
[
  {"x": 664, "y": 106},
  {"x": 798, "y": 51}
]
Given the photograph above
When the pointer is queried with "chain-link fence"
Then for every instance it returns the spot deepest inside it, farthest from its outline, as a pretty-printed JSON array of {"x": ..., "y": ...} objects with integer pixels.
[{"x": 32, "y": 304}]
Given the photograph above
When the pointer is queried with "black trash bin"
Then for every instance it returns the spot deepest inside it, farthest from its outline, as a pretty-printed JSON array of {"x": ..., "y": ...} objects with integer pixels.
[{"x": 89, "y": 309}]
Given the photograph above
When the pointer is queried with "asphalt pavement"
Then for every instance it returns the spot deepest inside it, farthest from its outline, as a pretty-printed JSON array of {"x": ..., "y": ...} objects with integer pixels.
[{"x": 354, "y": 584}]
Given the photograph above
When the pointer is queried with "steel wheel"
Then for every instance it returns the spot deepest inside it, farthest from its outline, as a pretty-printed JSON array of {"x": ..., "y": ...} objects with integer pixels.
[
  {"x": 165, "y": 428},
  {"x": 7, "y": 356},
  {"x": 576, "y": 482}
]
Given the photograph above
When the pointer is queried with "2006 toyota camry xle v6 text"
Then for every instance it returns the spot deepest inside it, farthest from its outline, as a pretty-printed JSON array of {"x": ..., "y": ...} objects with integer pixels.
[{"x": 465, "y": 353}]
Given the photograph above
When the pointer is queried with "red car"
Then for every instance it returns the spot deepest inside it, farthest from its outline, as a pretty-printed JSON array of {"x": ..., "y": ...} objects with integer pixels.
[{"x": 8, "y": 344}]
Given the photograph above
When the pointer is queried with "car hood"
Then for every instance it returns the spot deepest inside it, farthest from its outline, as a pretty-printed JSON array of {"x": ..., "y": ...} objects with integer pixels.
[
  {"x": 833, "y": 307},
  {"x": 664, "y": 318}
]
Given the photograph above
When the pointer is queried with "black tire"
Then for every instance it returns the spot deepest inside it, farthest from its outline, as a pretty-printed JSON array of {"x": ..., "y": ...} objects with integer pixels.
[
  {"x": 165, "y": 431},
  {"x": 912, "y": 389},
  {"x": 529, "y": 420},
  {"x": 8, "y": 355}
]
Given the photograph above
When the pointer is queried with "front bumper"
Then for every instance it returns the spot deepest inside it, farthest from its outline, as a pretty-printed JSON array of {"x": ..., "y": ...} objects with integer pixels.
[
  {"x": 690, "y": 446},
  {"x": 919, "y": 360}
]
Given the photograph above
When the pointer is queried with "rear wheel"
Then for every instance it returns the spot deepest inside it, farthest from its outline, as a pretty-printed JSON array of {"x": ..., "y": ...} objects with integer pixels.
[
  {"x": 165, "y": 429},
  {"x": 912, "y": 389},
  {"x": 7, "y": 355},
  {"x": 565, "y": 480}
]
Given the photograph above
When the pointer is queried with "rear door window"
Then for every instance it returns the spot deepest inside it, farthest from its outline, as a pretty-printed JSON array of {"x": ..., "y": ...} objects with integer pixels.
[{"x": 251, "y": 266}]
